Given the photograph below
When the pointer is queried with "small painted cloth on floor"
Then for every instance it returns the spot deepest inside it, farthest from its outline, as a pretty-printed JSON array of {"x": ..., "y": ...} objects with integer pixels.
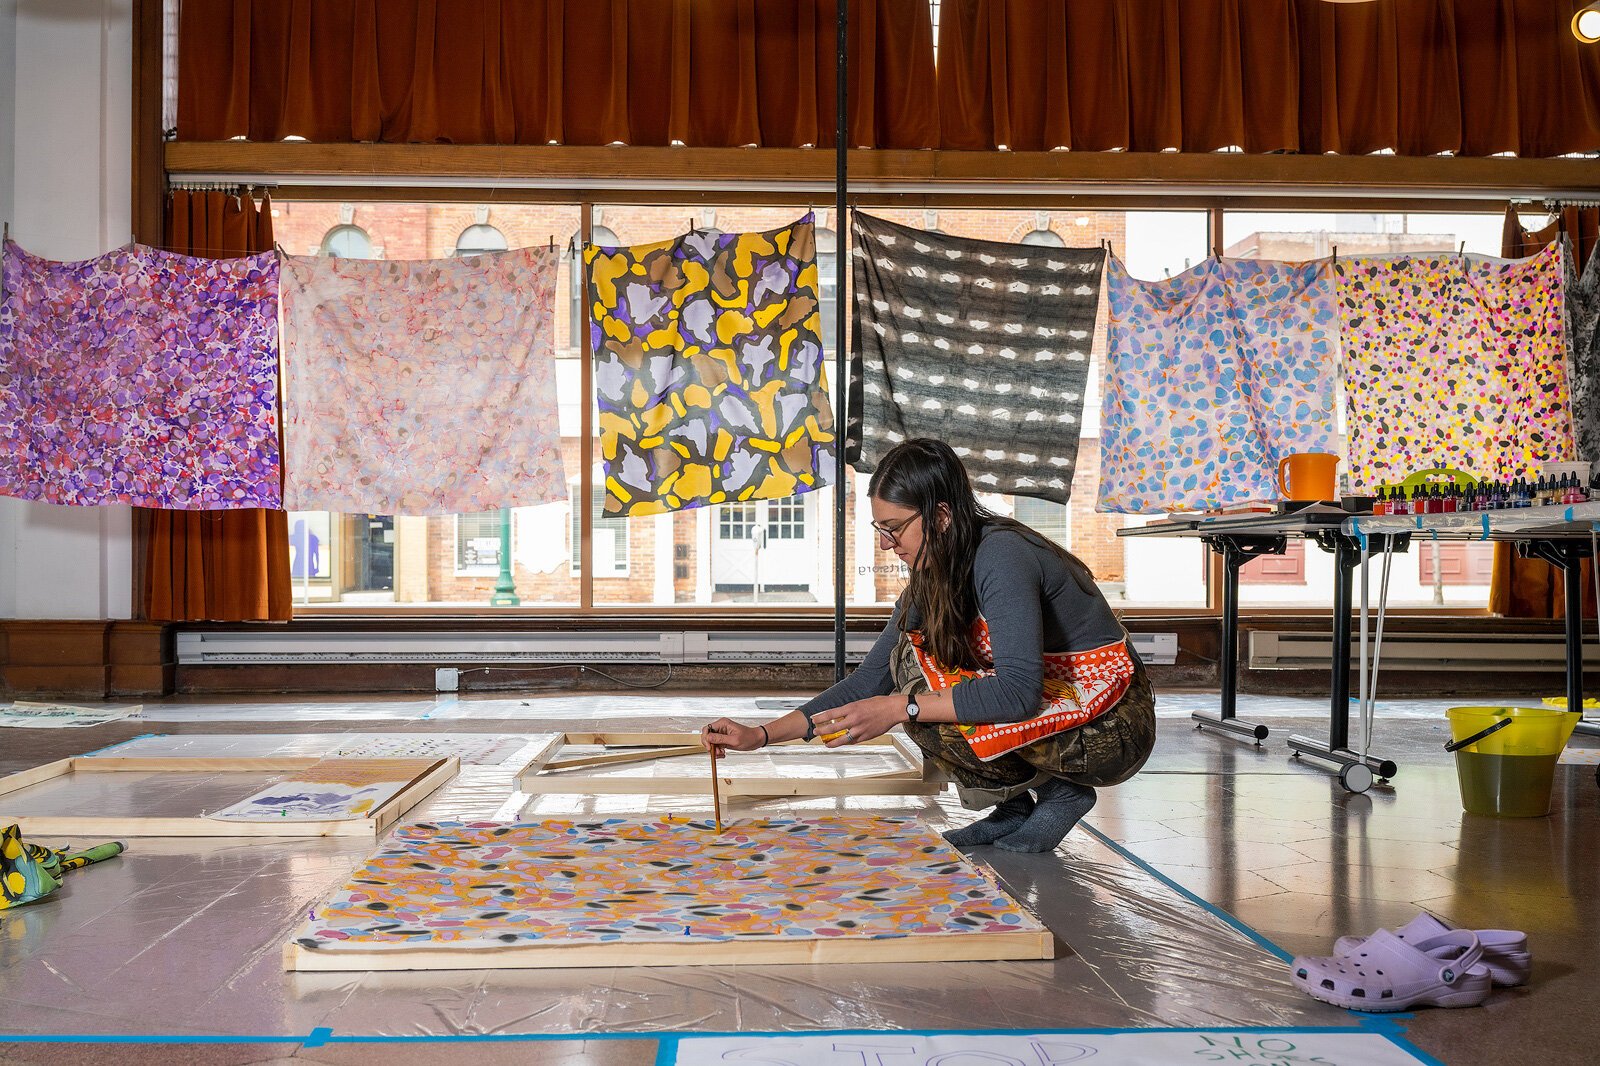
[
  {"x": 423, "y": 387},
  {"x": 1456, "y": 362},
  {"x": 1079, "y": 686},
  {"x": 140, "y": 377},
  {"x": 1583, "y": 311},
  {"x": 29, "y": 872},
  {"x": 708, "y": 369},
  {"x": 1211, "y": 378},
  {"x": 981, "y": 344}
]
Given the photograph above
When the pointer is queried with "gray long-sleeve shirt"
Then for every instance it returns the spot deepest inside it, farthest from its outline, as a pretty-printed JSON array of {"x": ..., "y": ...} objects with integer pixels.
[{"x": 1032, "y": 602}]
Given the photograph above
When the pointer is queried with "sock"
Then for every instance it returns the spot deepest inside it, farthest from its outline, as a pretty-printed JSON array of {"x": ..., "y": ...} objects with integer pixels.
[
  {"x": 1007, "y": 817},
  {"x": 1061, "y": 805}
]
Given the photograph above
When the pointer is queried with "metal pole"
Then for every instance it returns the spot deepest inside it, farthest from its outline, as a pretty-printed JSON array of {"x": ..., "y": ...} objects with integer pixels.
[
  {"x": 841, "y": 180},
  {"x": 505, "y": 586}
]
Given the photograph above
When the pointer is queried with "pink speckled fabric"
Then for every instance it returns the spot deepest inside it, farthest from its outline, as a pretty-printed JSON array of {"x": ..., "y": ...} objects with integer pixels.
[
  {"x": 423, "y": 387},
  {"x": 140, "y": 377}
]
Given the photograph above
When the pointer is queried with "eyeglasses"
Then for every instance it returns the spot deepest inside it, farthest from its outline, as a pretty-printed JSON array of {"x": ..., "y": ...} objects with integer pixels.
[{"x": 892, "y": 532}]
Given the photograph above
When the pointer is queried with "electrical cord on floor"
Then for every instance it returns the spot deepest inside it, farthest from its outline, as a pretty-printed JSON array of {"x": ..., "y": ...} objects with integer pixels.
[{"x": 581, "y": 669}]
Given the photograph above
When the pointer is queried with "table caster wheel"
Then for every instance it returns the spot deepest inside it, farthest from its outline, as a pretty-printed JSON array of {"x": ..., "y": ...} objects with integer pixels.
[{"x": 1356, "y": 778}]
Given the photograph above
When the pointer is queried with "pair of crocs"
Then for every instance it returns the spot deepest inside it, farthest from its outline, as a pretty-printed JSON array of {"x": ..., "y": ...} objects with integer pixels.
[{"x": 1424, "y": 963}]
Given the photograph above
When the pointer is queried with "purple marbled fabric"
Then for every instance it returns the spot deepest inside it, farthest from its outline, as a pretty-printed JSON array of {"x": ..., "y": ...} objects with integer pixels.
[{"x": 140, "y": 377}]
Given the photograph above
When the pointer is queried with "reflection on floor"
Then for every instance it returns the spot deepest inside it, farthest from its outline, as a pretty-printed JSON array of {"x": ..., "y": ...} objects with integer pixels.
[{"x": 182, "y": 937}]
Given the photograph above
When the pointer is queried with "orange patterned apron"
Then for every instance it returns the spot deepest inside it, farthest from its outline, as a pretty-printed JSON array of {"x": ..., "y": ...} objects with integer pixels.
[{"x": 1079, "y": 687}]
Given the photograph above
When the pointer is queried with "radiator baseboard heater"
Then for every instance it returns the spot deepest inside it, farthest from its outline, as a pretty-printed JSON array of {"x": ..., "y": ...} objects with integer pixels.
[
  {"x": 1418, "y": 651},
  {"x": 221, "y": 648}
]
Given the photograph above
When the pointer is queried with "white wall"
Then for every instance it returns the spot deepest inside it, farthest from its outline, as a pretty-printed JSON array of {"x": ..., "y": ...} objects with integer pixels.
[{"x": 66, "y": 91}]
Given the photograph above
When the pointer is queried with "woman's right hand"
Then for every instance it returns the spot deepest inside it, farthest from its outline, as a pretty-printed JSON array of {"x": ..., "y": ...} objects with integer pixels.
[{"x": 727, "y": 735}]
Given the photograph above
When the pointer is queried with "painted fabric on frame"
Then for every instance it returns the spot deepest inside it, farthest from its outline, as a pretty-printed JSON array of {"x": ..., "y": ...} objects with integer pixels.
[
  {"x": 423, "y": 387},
  {"x": 1583, "y": 310},
  {"x": 1453, "y": 361},
  {"x": 487, "y": 884},
  {"x": 980, "y": 344},
  {"x": 1211, "y": 378},
  {"x": 708, "y": 369},
  {"x": 332, "y": 790},
  {"x": 140, "y": 377}
]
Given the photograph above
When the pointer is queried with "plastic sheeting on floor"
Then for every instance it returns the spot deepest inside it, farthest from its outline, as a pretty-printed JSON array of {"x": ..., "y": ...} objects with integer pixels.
[{"x": 184, "y": 937}]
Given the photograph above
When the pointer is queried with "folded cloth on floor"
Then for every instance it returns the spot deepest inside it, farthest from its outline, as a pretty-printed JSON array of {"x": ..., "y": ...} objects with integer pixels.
[
  {"x": 1505, "y": 951},
  {"x": 29, "y": 872}
]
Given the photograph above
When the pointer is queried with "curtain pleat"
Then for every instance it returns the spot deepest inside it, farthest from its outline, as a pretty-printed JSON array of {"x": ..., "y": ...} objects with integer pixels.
[
  {"x": 1417, "y": 77},
  {"x": 1532, "y": 588},
  {"x": 230, "y": 566},
  {"x": 717, "y": 73}
]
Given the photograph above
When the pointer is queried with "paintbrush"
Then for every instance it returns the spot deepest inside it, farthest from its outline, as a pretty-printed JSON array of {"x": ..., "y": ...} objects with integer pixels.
[{"x": 716, "y": 794}]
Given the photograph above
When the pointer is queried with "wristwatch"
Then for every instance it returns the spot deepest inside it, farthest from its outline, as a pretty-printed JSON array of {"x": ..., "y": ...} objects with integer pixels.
[{"x": 912, "y": 710}]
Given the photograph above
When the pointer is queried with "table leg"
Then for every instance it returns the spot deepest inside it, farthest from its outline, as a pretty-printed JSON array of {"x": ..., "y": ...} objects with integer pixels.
[
  {"x": 1567, "y": 556},
  {"x": 1347, "y": 554},
  {"x": 1235, "y": 552}
]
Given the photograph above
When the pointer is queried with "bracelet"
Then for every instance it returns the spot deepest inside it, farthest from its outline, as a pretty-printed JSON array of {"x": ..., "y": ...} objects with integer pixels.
[{"x": 765, "y": 739}]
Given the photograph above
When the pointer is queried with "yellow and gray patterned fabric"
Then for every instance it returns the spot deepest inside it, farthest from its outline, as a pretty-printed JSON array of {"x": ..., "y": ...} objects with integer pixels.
[
  {"x": 980, "y": 344},
  {"x": 708, "y": 369}
]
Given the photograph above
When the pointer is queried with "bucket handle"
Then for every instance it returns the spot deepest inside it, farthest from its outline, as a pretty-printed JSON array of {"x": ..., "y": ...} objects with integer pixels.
[{"x": 1479, "y": 735}]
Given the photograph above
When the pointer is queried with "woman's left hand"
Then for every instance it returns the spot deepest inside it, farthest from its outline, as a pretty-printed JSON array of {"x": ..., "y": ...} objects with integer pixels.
[{"x": 860, "y": 721}]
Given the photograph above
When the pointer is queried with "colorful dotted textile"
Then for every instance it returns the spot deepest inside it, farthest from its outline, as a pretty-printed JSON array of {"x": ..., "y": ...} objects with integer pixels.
[
  {"x": 486, "y": 884},
  {"x": 423, "y": 387},
  {"x": 140, "y": 377},
  {"x": 708, "y": 369},
  {"x": 1455, "y": 362},
  {"x": 1211, "y": 378}
]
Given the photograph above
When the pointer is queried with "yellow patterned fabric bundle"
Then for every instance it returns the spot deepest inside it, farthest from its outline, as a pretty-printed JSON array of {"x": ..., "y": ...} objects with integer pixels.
[{"x": 708, "y": 370}]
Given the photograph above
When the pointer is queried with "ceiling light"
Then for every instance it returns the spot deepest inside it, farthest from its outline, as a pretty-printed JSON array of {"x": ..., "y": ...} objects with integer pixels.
[{"x": 1586, "y": 24}]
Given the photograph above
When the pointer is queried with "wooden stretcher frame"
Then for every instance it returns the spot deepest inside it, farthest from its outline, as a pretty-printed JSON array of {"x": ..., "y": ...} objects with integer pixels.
[
  {"x": 368, "y": 827},
  {"x": 773, "y": 951},
  {"x": 916, "y": 779}
]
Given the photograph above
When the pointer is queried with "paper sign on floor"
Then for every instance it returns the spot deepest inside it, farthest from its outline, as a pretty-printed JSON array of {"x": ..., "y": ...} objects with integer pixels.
[{"x": 1156, "y": 1048}]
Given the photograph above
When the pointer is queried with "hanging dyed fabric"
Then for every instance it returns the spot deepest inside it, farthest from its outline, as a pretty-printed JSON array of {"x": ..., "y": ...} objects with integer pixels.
[
  {"x": 980, "y": 344},
  {"x": 423, "y": 387},
  {"x": 1453, "y": 361},
  {"x": 140, "y": 377},
  {"x": 708, "y": 369},
  {"x": 1211, "y": 378},
  {"x": 1583, "y": 310}
]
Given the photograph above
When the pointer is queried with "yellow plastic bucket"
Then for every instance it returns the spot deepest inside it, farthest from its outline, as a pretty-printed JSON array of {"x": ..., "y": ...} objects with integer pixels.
[{"x": 1509, "y": 765}]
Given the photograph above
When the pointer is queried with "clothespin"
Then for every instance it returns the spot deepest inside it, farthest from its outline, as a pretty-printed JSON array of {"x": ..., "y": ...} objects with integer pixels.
[
  {"x": 1335, "y": 253},
  {"x": 8, "y": 232},
  {"x": 1462, "y": 251},
  {"x": 552, "y": 242}
]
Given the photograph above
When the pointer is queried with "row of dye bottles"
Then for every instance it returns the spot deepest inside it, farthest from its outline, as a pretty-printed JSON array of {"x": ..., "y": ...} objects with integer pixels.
[{"x": 1547, "y": 491}]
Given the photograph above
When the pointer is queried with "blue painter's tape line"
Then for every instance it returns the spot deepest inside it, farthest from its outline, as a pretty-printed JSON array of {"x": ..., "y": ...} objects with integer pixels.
[
  {"x": 319, "y": 1037},
  {"x": 1486, "y": 524},
  {"x": 1419, "y": 521},
  {"x": 666, "y": 1051},
  {"x": 120, "y": 743},
  {"x": 1569, "y": 514},
  {"x": 1217, "y": 912}
]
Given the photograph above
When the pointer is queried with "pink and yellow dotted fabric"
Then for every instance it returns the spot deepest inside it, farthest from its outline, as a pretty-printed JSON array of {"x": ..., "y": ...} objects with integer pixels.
[{"x": 1456, "y": 362}]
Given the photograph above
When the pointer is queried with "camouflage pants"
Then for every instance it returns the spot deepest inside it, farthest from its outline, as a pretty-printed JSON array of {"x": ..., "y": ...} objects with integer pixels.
[{"x": 1106, "y": 751}]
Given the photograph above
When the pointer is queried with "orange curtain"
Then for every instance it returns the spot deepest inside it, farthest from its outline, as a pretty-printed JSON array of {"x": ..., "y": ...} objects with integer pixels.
[
  {"x": 709, "y": 73},
  {"x": 229, "y": 566},
  {"x": 1473, "y": 77},
  {"x": 1532, "y": 588}
]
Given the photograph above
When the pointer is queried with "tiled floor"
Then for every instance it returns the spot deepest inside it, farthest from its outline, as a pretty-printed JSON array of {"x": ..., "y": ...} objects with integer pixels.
[{"x": 1275, "y": 843}]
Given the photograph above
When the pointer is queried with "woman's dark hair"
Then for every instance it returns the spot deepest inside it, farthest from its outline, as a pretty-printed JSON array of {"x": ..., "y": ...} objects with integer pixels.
[{"x": 922, "y": 474}]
